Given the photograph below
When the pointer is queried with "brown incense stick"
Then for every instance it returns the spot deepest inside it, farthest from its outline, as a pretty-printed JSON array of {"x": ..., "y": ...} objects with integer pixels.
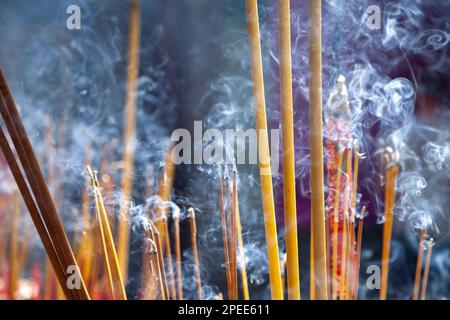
[
  {"x": 47, "y": 217},
  {"x": 423, "y": 233},
  {"x": 193, "y": 230}
]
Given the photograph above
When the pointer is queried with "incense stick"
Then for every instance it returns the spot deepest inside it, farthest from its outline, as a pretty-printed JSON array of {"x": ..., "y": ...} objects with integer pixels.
[
  {"x": 176, "y": 220},
  {"x": 43, "y": 211},
  {"x": 193, "y": 230},
  {"x": 109, "y": 248},
  {"x": 13, "y": 256},
  {"x": 344, "y": 244},
  {"x": 358, "y": 252},
  {"x": 391, "y": 174},
  {"x": 263, "y": 151},
  {"x": 164, "y": 190},
  {"x": 288, "y": 155},
  {"x": 241, "y": 253},
  {"x": 335, "y": 232},
  {"x": 316, "y": 142},
  {"x": 423, "y": 233},
  {"x": 426, "y": 270},
  {"x": 129, "y": 133},
  {"x": 233, "y": 239},
  {"x": 162, "y": 269},
  {"x": 223, "y": 221}
]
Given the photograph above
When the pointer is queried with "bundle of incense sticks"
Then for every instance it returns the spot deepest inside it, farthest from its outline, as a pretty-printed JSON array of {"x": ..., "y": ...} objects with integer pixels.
[
  {"x": 25, "y": 168},
  {"x": 233, "y": 243}
]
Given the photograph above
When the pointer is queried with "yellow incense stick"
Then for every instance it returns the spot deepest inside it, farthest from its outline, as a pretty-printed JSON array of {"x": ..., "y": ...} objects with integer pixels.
[
  {"x": 391, "y": 174},
  {"x": 263, "y": 151},
  {"x": 129, "y": 133},
  {"x": 316, "y": 142},
  {"x": 288, "y": 155},
  {"x": 108, "y": 241}
]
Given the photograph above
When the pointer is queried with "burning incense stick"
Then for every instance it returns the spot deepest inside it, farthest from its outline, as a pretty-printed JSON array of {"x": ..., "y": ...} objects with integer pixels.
[
  {"x": 241, "y": 254},
  {"x": 335, "y": 230},
  {"x": 287, "y": 115},
  {"x": 37, "y": 199},
  {"x": 358, "y": 252},
  {"x": 233, "y": 238},
  {"x": 129, "y": 133},
  {"x": 344, "y": 244},
  {"x": 151, "y": 280},
  {"x": 423, "y": 233},
  {"x": 161, "y": 268},
  {"x": 391, "y": 174},
  {"x": 426, "y": 270},
  {"x": 193, "y": 229},
  {"x": 316, "y": 140},
  {"x": 164, "y": 190},
  {"x": 223, "y": 221},
  {"x": 176, "y": 220},
  {"x": 263, "y": 151},
  {"x": 109, "y": 248}
]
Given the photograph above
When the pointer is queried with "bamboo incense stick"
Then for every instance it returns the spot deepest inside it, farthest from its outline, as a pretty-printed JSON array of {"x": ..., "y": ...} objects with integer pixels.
[
  {"x": 288, "y": 155},
  {"x": 391, "y": 174},
  {"x": 223, "y": 221},
  {"x": 426, "y": 270},
  {"x": 129, "y": 133},
  {"x": 263, "y": 151},
  {"x": 358, "y": 252},
  {"x": 50, "y": 223},
  {"x": 176, "y": 220},
  {"x": 193, "y": 230},
  {"x": 335, "y": 230},
  {"x": 316, "y": 141},
  {"x": 423, "y": 233}
]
